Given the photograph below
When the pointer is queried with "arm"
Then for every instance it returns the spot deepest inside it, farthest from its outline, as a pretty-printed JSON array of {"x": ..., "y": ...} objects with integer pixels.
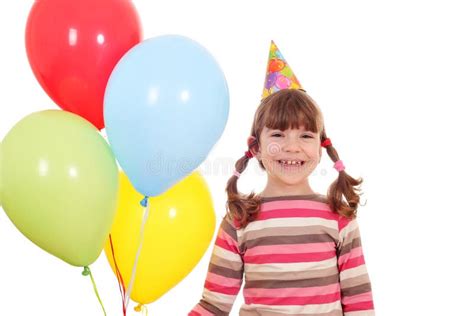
[
  {"x": 224, "y": 276},
  {"x": 356, "y": 291}
]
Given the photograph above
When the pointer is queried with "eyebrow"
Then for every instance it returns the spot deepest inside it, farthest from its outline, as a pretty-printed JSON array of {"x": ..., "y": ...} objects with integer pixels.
[
  {"x": 274, "y": 130},
  {"x": 279, "y": 130}
]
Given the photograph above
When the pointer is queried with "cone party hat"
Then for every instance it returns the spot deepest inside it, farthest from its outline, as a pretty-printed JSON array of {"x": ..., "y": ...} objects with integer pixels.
[{"x": 279, "y": 74}]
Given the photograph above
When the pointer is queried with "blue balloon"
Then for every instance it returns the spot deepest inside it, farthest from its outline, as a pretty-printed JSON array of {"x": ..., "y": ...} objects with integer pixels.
[{"x": 165, "y": 106}]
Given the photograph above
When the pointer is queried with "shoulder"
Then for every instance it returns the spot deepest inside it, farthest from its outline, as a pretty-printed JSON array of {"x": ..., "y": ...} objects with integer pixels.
[
  {"x": 346, "y": 223},
  {"x": 231, "y": 222}
]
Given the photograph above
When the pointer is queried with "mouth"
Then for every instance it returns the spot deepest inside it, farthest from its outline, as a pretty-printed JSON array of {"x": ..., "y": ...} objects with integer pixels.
[{"x": 292, "y": 164}]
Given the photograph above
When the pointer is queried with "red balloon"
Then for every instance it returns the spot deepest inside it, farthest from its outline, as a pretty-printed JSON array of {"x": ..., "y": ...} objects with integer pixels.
[{"x": 73, "y": 46}]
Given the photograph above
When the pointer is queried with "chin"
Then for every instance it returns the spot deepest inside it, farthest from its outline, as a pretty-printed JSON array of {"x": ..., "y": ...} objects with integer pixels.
[{"x": 288, "y": 179}]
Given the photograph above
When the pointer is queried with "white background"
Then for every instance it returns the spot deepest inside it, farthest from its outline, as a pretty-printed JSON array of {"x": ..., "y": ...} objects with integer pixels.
[{"x": 395, "y": 83}]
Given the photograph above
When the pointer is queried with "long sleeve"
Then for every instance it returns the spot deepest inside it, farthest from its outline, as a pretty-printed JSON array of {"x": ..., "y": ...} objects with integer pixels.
[
  {"x": 224, "y": 276},
  {"x": 356, "y": 290}
]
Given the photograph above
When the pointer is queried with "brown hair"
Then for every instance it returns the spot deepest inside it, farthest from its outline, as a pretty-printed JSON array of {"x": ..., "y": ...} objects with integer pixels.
[{"x": 289, "y": 108}]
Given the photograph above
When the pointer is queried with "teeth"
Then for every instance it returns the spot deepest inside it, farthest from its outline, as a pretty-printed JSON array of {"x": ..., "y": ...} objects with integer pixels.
[{"x": 290, "y": 162}]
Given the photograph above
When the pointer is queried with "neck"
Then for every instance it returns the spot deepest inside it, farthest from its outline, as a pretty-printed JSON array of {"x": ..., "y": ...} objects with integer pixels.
[{"x": 274, "y": 188}]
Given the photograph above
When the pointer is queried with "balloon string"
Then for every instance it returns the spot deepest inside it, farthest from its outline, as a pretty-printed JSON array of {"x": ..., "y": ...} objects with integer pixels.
[
  {"x": 119, "y": 277},
  {"x": 88, "y": 272},
  {"x": 118, "y": 274},
  {"x": 142, "y": 235}
]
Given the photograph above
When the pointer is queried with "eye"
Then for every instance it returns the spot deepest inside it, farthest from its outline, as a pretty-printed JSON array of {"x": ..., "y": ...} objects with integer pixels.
[
  {"x": 276, "y": 135},
  {"x": 308, "y": 136}
]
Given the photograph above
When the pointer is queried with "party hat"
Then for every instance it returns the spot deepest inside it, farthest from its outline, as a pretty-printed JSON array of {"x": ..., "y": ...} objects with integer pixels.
[{"x": 279, "y": 74}]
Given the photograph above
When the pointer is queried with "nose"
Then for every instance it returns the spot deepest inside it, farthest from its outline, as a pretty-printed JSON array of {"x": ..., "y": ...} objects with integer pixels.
[{"x": 291, "y": 145}]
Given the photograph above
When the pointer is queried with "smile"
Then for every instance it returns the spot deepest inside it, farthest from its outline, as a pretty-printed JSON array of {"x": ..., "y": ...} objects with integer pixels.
[{"x": 291, "y": 163}]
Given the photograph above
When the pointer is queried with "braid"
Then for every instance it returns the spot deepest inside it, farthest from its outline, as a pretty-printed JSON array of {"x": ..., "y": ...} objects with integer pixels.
[
  {"x": 242, "y": 209},
  {"x": 344, "y": 186}
]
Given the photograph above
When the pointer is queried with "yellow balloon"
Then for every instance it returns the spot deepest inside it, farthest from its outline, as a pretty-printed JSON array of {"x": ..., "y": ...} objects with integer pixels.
[{"x": 178, "y": 231}]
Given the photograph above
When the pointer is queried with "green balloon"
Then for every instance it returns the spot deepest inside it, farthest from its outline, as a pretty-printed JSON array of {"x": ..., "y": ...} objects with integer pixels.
[
  {"x": 60, "y": 184},
  {"x": 1, "y": 178}
]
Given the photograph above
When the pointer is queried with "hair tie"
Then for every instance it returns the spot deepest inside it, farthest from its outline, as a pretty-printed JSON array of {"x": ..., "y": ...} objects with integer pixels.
[
  {"x": 249, "y": 154},
  {"x": 326, "y": 143},
  {"x": 339, "y": 165},
  {"x": 236, "y": 173}
]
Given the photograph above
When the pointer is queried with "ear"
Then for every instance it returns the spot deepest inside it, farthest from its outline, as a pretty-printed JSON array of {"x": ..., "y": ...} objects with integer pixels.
[
  {"x": 320, "y": 151},
  {"x": 255, "y": 150}
]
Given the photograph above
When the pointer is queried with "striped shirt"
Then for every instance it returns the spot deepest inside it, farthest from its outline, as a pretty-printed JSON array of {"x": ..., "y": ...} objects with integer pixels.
[{"x": 298, "y": 258}]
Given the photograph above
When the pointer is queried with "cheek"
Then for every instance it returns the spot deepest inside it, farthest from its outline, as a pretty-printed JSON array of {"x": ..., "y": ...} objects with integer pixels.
[
  {"x": 271, "y": 149},
  {"x": 314, "y": 153}
]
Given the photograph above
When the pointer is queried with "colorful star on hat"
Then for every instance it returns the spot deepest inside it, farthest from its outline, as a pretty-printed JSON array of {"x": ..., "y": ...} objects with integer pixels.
[{"x": 279, "y": 74}]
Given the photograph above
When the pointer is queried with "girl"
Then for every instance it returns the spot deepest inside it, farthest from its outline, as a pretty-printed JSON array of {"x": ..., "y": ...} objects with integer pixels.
[{"x": 299, "y": 251}]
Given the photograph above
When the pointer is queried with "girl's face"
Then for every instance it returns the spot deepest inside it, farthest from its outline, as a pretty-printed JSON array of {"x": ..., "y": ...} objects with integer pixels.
[{"x": 289, "y": 156}]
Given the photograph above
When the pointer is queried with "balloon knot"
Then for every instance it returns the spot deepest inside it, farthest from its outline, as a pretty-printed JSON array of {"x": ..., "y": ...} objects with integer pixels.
[
  {"x": 86, "y": 271},
  {"x": 144, "y": 202},
  {"x": 138, "y": 308}
]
